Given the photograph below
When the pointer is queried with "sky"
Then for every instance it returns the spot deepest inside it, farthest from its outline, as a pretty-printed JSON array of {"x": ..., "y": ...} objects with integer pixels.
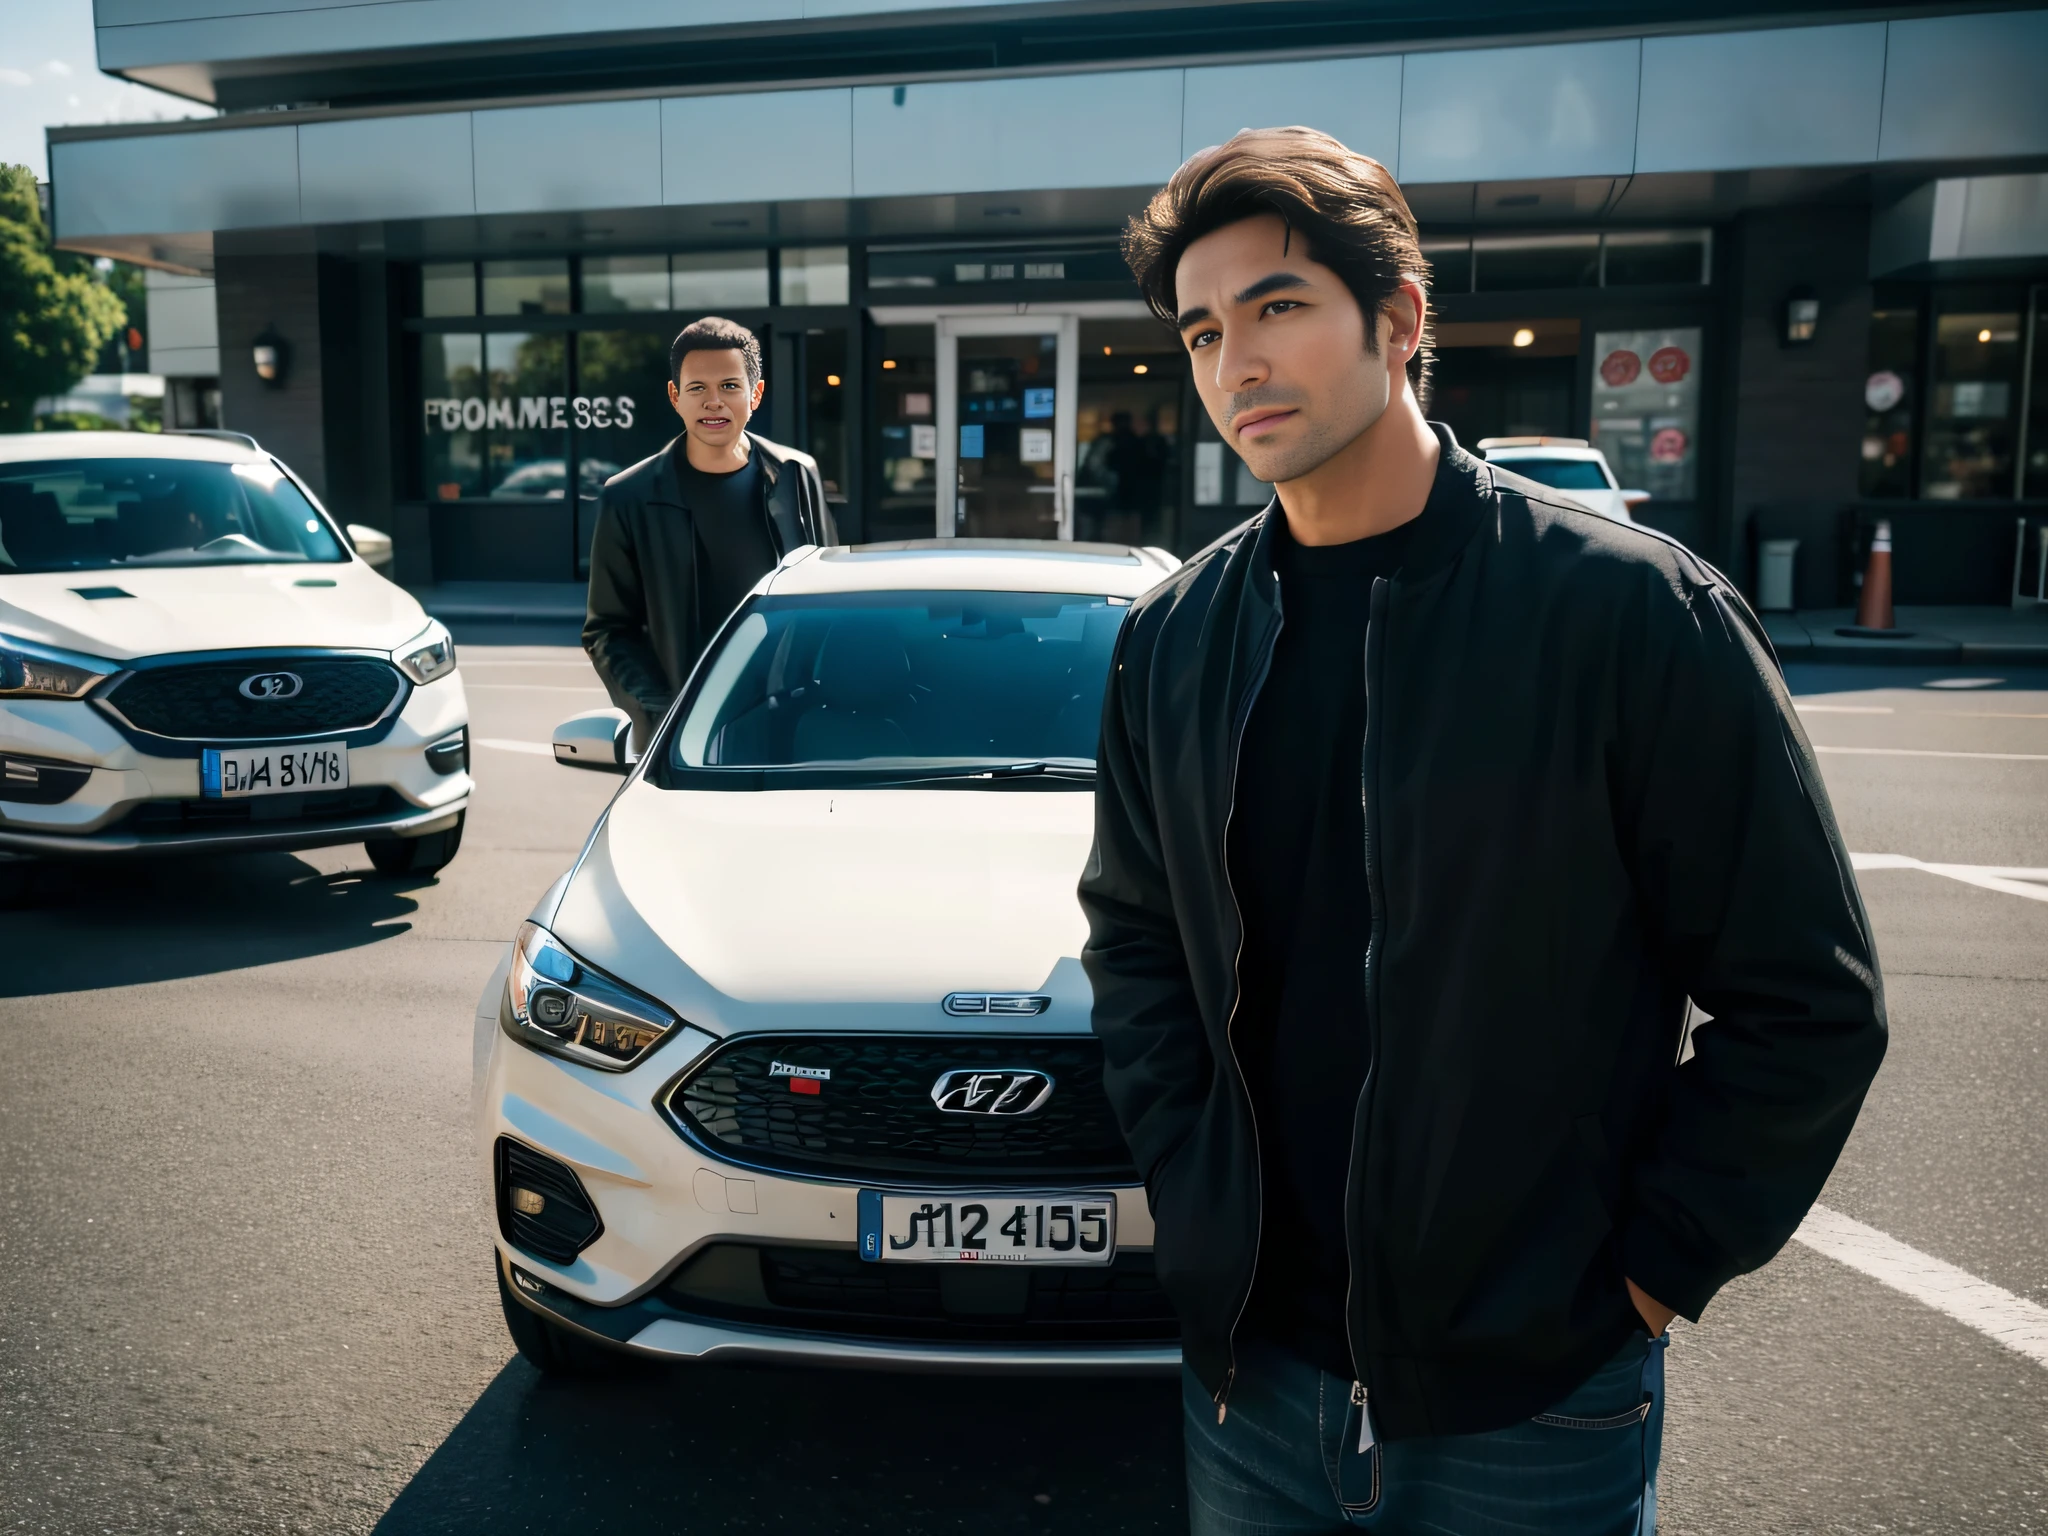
[{"x": 49, "y": 73}]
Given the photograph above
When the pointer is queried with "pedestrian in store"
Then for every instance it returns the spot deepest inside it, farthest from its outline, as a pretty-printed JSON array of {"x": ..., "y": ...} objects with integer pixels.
[
  {"x": 1427, "y": 799},
  {"x": 683, "y": 536}
]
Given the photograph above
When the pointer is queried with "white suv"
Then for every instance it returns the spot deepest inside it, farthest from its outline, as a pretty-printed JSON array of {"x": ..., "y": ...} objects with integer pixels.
[
  {"x": 194, "y": 659},
  {"x": 1568, "y": 464},
  {"x": 796, "y": 1062}
]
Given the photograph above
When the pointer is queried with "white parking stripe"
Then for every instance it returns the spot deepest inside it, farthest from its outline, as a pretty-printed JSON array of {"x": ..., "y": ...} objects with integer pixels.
[
  {"x": 538, "y": 748},
  {"x": 1992, "y": 877},
  {"x": 1841, "y": 709},
  {"x": 2020, "y": 1325},
  {"x": 2004, "y": 757},
  {"x": 540, "y": 687}
]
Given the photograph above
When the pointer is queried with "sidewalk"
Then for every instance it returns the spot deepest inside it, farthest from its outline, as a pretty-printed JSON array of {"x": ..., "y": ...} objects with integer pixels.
[
  {"x": 1941, "y": 636},
  {"x": 504, "y": 602}
]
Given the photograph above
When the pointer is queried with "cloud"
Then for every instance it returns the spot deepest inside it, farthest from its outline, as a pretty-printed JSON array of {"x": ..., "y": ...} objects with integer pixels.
[
  {"x": 58, "y": 67},
  {"x": 16, "y": 77}
]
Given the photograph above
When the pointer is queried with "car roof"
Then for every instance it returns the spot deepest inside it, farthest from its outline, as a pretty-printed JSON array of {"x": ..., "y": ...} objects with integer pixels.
[
  {"x": 41, "y": 447},
  {"x": 975, "y": 565},
  {"x": 1551, "y": 451}
]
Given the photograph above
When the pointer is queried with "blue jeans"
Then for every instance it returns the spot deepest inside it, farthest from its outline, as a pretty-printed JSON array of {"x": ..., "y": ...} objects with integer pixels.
[{"x": 1286, "y": 1460}]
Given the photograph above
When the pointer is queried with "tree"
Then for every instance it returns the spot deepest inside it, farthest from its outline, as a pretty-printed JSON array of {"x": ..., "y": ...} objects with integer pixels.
[{"x": 52, "y": 323}]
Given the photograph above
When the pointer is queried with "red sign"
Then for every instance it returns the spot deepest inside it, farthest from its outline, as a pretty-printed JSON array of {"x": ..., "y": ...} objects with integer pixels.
[
  {"x": 1619, "y": 368},
  {"x": 1669, "y": 364},
  {"x": 806, "y": 1085},
  {"x": 1668, "y": 444}
]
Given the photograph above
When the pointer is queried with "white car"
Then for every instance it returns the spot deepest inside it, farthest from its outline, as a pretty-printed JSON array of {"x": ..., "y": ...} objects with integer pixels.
[
  {"x": 193, "y": 658},
  {"x": 1568, "y": 464},
  {"x": 796, "y": 1062}
]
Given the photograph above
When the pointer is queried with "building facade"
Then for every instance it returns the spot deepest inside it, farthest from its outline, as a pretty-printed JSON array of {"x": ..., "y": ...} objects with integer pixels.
[{"x": 1788, "y": 276}]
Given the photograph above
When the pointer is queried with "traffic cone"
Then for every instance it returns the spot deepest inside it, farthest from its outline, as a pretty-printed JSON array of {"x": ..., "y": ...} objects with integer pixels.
[{"x": 1874, "y": 618}]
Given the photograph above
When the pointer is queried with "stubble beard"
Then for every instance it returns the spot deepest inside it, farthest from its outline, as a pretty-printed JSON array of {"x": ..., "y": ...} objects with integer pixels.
[{"x": 1327, "y": 433}]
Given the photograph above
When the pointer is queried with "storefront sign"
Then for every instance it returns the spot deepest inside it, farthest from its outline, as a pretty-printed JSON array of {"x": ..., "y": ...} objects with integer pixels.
[
  {"x": 1646, "y": 409},
  {"x": 1883, "y": 390},
  {"x": 531, "y": 413}
]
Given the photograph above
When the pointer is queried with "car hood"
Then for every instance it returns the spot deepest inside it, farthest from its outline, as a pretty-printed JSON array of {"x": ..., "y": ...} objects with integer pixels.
[
  {"x": 209, "y": 608},
  {"x": 847, "y": 909}
]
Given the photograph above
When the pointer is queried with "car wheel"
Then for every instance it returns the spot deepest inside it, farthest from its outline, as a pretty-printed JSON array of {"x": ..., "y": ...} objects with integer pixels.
[
  {"x": 417, "y": 855},
  {"x": 551, "y": 1349}
]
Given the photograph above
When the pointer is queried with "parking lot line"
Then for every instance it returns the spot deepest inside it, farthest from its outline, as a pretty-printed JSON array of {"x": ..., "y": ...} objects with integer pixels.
[
  {"x": 541, "y": 687},
  {"x": 2030, "y": 883},
  {"x": 2020, "y": 1325},
  {"x": 2004, "y": 757},
  {"x": 538, "y": 748}
]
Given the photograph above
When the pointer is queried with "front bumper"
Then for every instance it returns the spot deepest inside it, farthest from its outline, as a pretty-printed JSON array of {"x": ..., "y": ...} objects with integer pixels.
[
  {"x": 671, "y": 1214},
  {"x": 414, "y": 798},
  {"x": 656, "y": 1329}
]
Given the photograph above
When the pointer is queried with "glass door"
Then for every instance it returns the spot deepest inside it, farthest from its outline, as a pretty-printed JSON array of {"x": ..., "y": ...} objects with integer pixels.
[{"x": 1007, "y": 387}]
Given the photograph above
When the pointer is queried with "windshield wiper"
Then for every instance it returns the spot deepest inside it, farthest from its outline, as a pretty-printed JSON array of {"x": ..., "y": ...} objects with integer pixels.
[{"x": 1055, "y": 770}]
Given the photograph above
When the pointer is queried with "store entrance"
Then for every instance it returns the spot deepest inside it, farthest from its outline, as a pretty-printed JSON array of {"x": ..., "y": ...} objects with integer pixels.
[
  {"x": 1514, "y": 378},
  {"x": 1006, "y": 416}
]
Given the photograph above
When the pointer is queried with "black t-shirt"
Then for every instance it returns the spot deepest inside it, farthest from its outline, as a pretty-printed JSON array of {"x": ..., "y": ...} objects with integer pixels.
[
  {"x": 1297, "y": 863},
  {"x": 734, "y": 546}
]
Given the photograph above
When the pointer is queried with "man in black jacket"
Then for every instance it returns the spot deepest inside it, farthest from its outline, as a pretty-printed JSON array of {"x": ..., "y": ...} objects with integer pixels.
[
  {"x": 1427, "y": 799},
  {"x": 683, "y": 536}
]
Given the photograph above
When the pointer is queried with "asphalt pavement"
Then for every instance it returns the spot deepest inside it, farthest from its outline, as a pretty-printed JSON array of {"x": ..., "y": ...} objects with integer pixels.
[{"x": 245, "y": 1263}]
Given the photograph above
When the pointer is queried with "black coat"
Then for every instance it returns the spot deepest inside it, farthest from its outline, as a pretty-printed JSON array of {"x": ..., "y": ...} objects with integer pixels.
[
  {"x": 1587, "y": 798},
  {"x": 646, "y": 626}
]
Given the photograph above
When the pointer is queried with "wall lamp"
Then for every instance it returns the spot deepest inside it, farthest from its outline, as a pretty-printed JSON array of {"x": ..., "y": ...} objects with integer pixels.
[{"x": 273, "y": 357}]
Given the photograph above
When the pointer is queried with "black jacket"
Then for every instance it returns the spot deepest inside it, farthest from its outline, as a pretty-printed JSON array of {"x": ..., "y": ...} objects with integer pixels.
[
  {"x": 1587, "y": 798},
  {"x": 645, "y": 627}
]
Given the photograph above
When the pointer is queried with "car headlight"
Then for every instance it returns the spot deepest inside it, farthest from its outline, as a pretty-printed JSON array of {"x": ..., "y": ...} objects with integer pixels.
[
  {"x": 562, "y": 1005},
  {"x": 29, "y": 671},
  {"x": 430, "y": 656}
]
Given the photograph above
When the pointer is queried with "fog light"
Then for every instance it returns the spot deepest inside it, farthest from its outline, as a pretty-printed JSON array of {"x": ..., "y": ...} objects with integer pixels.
[
  {"x": 528, "y": 1202},
  {"x": 551, "y": 1008}
]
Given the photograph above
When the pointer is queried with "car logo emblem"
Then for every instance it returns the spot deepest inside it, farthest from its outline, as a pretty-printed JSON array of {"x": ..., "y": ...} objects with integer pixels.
[
  {"x": 1008, "y": 1004},
  {"x": 809, "y": 1080},
  {"x": 266, "y": 686},
  {"x": 997, "y": 1091}
]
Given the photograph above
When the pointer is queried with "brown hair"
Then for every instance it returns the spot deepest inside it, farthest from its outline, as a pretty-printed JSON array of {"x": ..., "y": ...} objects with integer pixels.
[{"x": 1347, "y": 206}]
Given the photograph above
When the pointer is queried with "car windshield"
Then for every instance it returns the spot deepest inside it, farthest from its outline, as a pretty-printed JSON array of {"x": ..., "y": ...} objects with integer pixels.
[
  {"x": 116, "y": 514},
  {"x": 884, "y": 686},
  {"x": 1565, "y": 474}
]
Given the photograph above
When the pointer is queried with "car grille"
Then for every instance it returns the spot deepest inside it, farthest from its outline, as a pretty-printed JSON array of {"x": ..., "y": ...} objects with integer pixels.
[
  {"x": 874, "y": 1118},
  {"x": 155, "y": 818},
  {"x": 827, "y": 1289},
  {"x": 203, "y": 701}
]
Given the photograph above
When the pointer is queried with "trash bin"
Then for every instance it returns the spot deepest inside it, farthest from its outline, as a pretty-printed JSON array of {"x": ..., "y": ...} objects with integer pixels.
[{"x": 1776, "y": 560}]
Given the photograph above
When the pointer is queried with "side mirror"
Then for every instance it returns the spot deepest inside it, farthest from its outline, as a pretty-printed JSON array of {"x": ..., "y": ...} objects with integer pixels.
[
  {"x": 372, "y": 544},
  {"x": 1634, "y": 499},
  {"x": 594, "y": 739}
]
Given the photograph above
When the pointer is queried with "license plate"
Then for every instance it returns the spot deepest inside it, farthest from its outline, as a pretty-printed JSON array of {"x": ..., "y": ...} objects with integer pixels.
[
  {"x": 231, "y": 773},
  {"x": 1008, "y": 1228}
]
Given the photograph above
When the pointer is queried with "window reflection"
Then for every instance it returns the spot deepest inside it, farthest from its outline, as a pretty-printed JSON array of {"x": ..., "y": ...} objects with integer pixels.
[
  {"x": 714, "y": 280},
  {"x": 1890, "y": 385},
  {"x": 906, "y": 395},
  {"x": 526, "y": 287},
  {"x": 612, "y": 284},
  {"x": 452, "y": 387},
  {"x": 1974, "y": 407}
]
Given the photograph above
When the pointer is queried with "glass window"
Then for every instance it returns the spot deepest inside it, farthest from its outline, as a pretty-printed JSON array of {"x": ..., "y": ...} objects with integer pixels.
[
  {"x": 452, "y": 387},
  {"x": 620, "y": 413},
  {"x": 1646, "y": 409},
  {"x": 1565, "y": 474},
  {"x": 1127, "y": 432},
  {"x": 818, "y": 275},
  {"x": 825, "y": 391},
  {"x": 526, "y": 287},
  {"x": 2037, "y": 400},
  {"x": 116, "y": 514},
  {"x": 918, "y": 681},
  {"x": 1973, "y": 415},
  {"x": 906, "y": 394},
  {"x": 1656, "y": 256},
  {"x": 1890, "y": 383},
  {"x": 615, "y": 283},
  {"x": 715, "y": 280},
  {"x": 1537, "y": 261},
  {"x": 527, "y": 415},
  {"x": 448, "y": 289}
]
